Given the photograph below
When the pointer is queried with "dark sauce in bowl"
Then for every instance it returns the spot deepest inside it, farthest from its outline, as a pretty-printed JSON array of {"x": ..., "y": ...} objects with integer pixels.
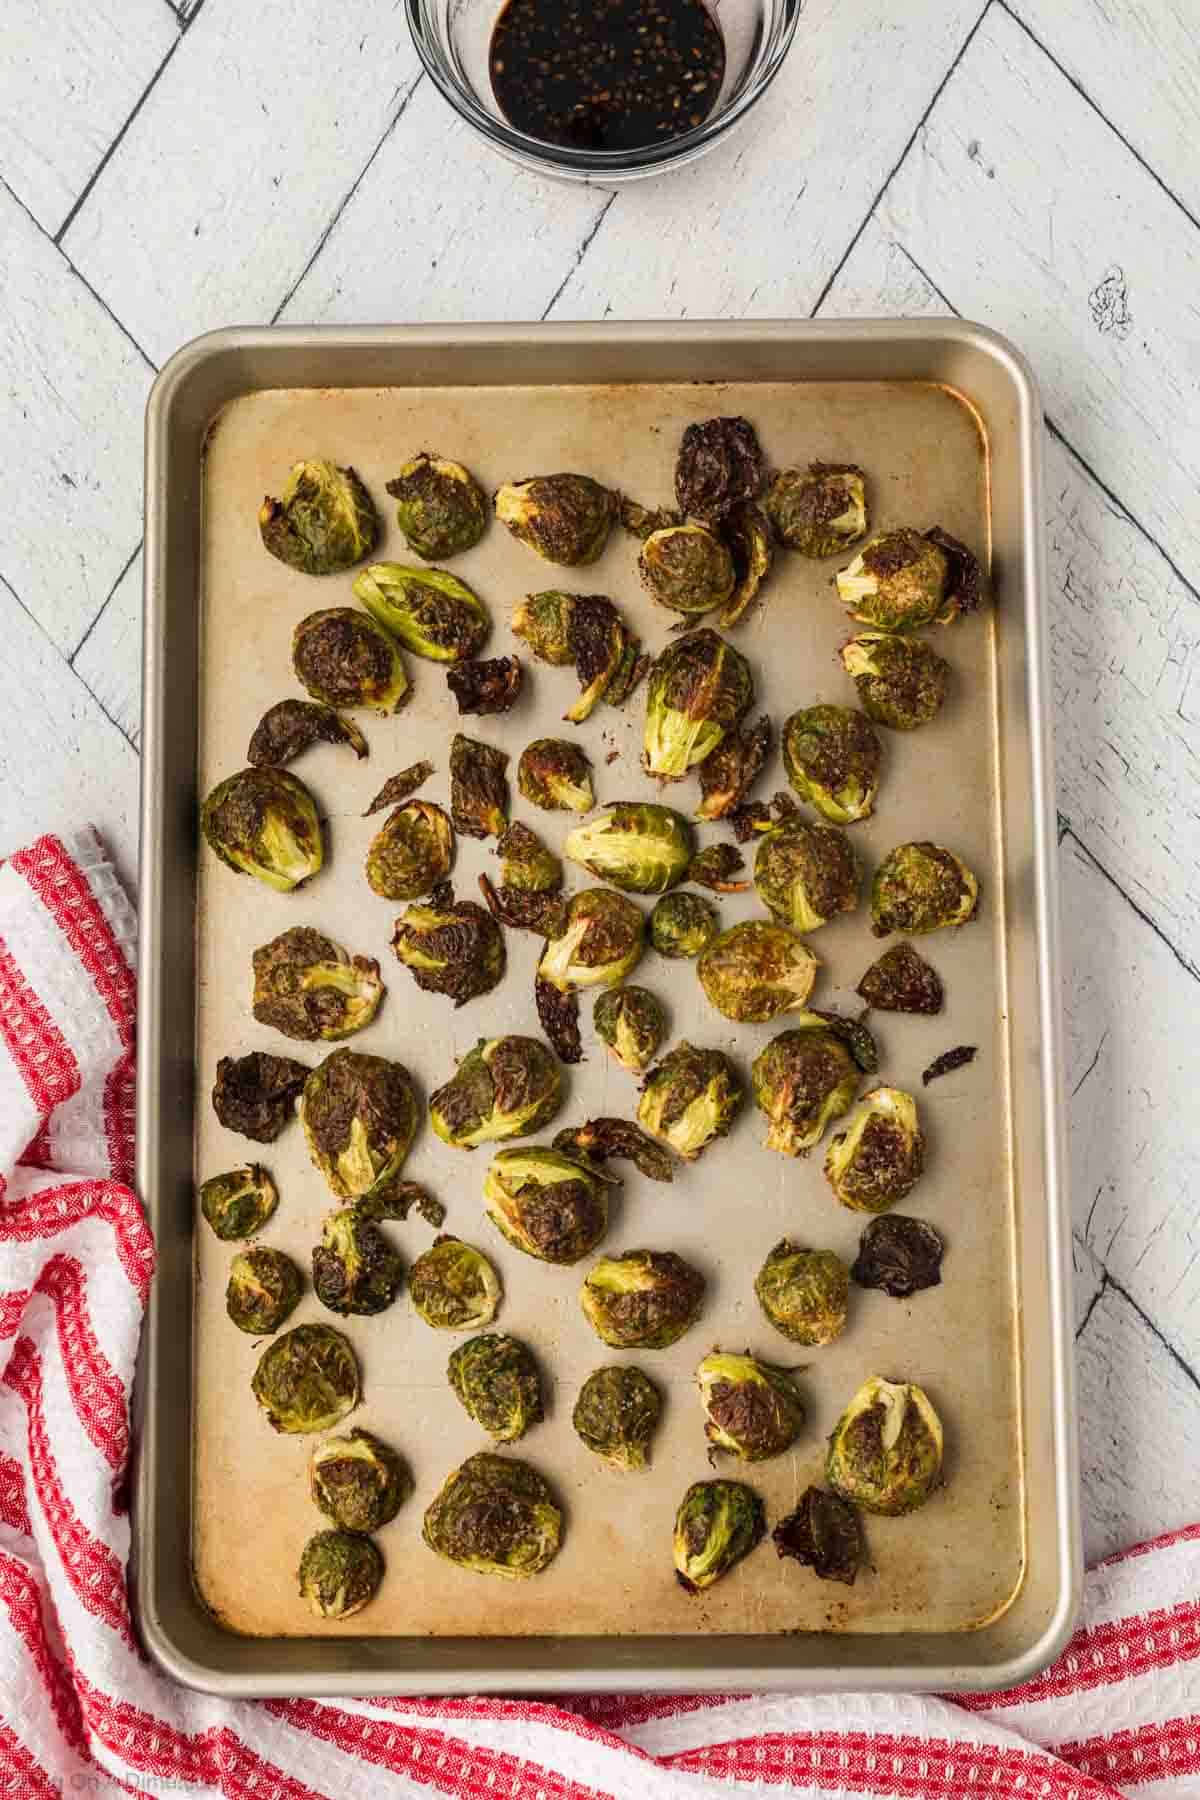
[{"x": 606, "y": 74}]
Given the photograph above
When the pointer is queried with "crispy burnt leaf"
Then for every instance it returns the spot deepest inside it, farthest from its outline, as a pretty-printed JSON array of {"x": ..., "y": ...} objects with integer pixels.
[
  {"x": 522, "y": 910},
  {"x": 854, "y": 1034},
  {"x": 398, "y": 788},
  {"x": 478, "y": 787},
  {"x": 963, "y": 584},
  {"x": 621, "y": 1138},
  {"x": 824, "y": 1534},
  {"x": 729, "y": 772},
  {"x": 642, "y": 521},
  {"x": 901, "y": 981},
  {"x": 487, "y": 685},
  {"x": 290, "y": 727},
  {"x": 559, "y": 1015},
  {"x": 397, "y": 1198},
  {"x": 899, "y": 1255},
  {"x": 256, "y": 1094},
  {"x": 716, "y": 868},
  {"x": 720, "y": 464},
  {"x": 948, "y": 1061}
]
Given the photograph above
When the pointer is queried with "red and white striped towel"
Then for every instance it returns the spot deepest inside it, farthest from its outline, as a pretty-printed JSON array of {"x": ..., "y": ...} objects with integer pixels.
[{"x": 82, "y": 1711}]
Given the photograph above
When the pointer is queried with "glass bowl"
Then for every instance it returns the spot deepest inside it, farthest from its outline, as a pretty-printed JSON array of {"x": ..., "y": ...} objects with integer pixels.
[{"x": 452, "y": 38}]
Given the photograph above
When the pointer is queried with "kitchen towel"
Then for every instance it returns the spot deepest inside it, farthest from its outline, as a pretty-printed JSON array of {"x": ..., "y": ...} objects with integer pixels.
[{"x": 82, "y": 1711}]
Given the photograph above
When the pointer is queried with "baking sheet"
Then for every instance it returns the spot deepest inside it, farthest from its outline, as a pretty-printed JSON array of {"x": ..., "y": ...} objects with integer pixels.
[{"x": 956, "y": 1564}]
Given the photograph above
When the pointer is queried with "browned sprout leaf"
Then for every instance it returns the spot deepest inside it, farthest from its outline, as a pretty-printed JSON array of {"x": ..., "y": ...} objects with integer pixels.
[
  {"x": 488, "y": 685},
  {"x": 522, "y": 910},
  {"x": 853, "y": 1033},
  {"x": 898, "y": 1255},
  {"x": 559, "y": 1015},
  {"x": 290, "y": 727},
  {"x": 395, "y": 1199},
  {"x": 948, "y": 1061},
  {"x": 901, "y": 981},
  {"x": 256, "y": 1094},
  {"x": 747, "y": 532},
  {"x": 621, "y": 1138},
  {"x": 728, "y": 772},
  {"x": 478, "y": 787},
  {"x": 963, "y": 584},
  {"x": 824, "y": 1534},
  {"x": 398, "y": 788},
  {"x": 754, "y": 817},
  {"x": 716, "y": 868},
  {"x": 642, "y": 521},
  {"x": 631, "y": 671},
  {"x": 720, "y": 464}
]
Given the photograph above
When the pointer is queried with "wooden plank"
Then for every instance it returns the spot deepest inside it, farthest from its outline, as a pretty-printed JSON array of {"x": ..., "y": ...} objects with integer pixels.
[
  {"x": 218, "y": 194},
  {"x": 109, "y": 661},
  {"x": 74, "y": 392},
  {"x": 1025, "y": 209},
  {"x": 69, "y": 78}
]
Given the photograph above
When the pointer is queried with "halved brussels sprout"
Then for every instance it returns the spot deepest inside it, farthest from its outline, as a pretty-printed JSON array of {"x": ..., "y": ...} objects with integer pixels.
[
  {"x": 340, "y": 1572},
  {"x": 698, "y": 690},
  {"x": 819, "y": 510},
  {"x": 290, "y": 727},
  {"x": 307, "y": 1380},
  {"x": 345, "y": 659},
  {"x": 359, "y": 1115},
  {"x": 263, "y": 822},
  {"x": 617, "y": 1414},
  {"x": 433, "y": 614},
  {"x": 355, "y": 1270},
  {"x": 756, "y": 970},
  {"x": 880, "y": 1155},
  {"x": 901, "y": 981},
  {"x": 478, "y": 787},
  {"x": 803, "y": 1080},
  {"x": 897, "y": 582},
  {"x": 901, "y": 681},
  {"x": 411, "y": 852},
  {"x": 823, "y": 1534},
  {"x": 638, "y": 846},
  {"x": 718, "y": 1523},
  {"x": 885, "y": 1452},
  {"x": 565, "y": 518},
  {"x": 256, "y": 1094},
  {"x": 719, "y": 465},
  {"x": 308, "y": 987},
  {"x": 752, "y": 1409},
  {"x": 497, "y": 1381},
  {"x": 632, "y": 1023},
  {"x": 601, "y": 942},
  {"x": 495, "y": 1516},
  {"x": 263, "y": 1288},
  {"x": 323, "y": 522},
  {"x": 556, "y": 775},
  {"x": 454, "y": 1287},
  {"x": 550, "y": 1204},
  {"x": 832, "y": 758},
  {"x": 238, "y": 1204},
  {"x": 682, "y": 925},
  {"x": 804, "y": 1293},
  {"x": 748, "y": 535},
  {"x": 440, "y": 507},
  {"x": 691, "y": 1099},
  {"x": 358, "y": 1481},
  {"x": 687, "y": 568},
  {"x": 451, "y": 947},
  {"x": 920, "y": 888},
  {"x": 642, "y": 1299},
  {"x": 587, "y": 630},
  {"x": 505, "y": 1087},
  {"x": 806, "y": 874}
]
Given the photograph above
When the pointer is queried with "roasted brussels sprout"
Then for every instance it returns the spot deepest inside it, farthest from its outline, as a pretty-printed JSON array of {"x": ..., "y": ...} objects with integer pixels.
[
  {"x": 729, "y": 772},
  {"x": 400, "y": 787},
  {"x": 290, "y": 727},
  {"x": 885, "y": 1452},
  {"x": 819, "y": 510},
  {"x": 803, "y": 1080},
  {"x": 901, "y": 981},
  {"x": 411, "y": 852},
  {"x": 638, "y": 846},
  {"x": 752, "y": 1409},
  {"x": 900, "y": 1256},
  {"x": 495, "y": 1516},
  {"x": 748, "y": 535},
  {"x": 687, "y": 568},
  {"x": 632, "y": 1023},
  {"x": 698, "y": 690},
  {"x": 565, "y": 518},
  {"x": 307, "y": 1380},
  {"x": 599, "y": 945},
  {"x": 359, "y": 1115},
  {"x": 920, "y": 888},
  {"x": 616, "y": 1415},
  {"x": 756, "y": 970},
  {"x": 682, "y": 925},
  {"x": 945, "y": 1064},
  {"x": 903, "y": 580},
  {"x": 586, "y": 630},
  {"x": 358, "y": 1481},
  {"x": 901, "y": 681},
  {"x": 506, "y": 1087},
  {"x": 345, "y": 659},
  {"x": 880, "y": 1155},
  {"x": 263, "y": 822},
  {"x": 451, "y": 947},
  {"x": 806, "y": 874},
  {"x": 237, "y": 1205},
  {"x": 716, "y": 866},
  {"x": 600, "y": 1140},
  {"x": 823, "y": 1534},
  {"x": 642, "y": 1299},
  {"x": 487, "y": 686},
  {"x": 478, "y": 787},
  {"x": 547, "y": 1203},
  {"x": 433, "y": 614},
  {"x": 454, "y": 1287},
  {"x": 340, "y": 1572},
  {"x": 718, "y": 1523},
  {"x": 720, "y": 465},
  {"x": 556, "y": 776},
  {"x": 804, "y": 1293},
  {"x": 263, "y": 1288},
  {"x": 355, "y": 1270},
  {"x": 324, "y": 521},
  {"x": 832, "y": 758},
  {"x": 691, "y": 1098},
  {"x": 525, "y": 862},
  {"x": 256, "y": 1094},
  {"x": 308, "y": 987},
  {"x": 497, "y": 1381},
  {"x": 440, "y": 507}
]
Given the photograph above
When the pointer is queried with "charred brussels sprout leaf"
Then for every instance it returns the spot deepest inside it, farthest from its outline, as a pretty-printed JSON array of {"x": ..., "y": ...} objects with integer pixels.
[
  {"x": 556, "y": 776},
  {"x": 564, "y": 518},
  {"x": 718, "y": 1523},
  {"x": 948, "y": 1061},
  {"x": 832, "y": 758},
  {"x": 495, "y": 1516},
  {"x": 616, "y": 1416},
  {"x": 642, "y": 1299},
  {"x": 290, "y": 727},
  {"x": 601, "y": 1139},
  {"x": 585, "y": 630},
  {"x": 903, "y": 580},
  {"x": 526, "y": 864},
  {"x": 638, "y": 846},
  {"x": 804, "y": 1293},
  {"x": 497, "y": 1381},
  {"x": 256, "y": 1094},
  {"x": 307, "y": 1380},
  {"x": 411, "y": 852},
  {"x": 433, "y": 614},
  {"x": 682, "y": 925},
  {"x": 819, "y": 510},
  {"x": 359, "y": 1115},
  {"x": 355, "y": 1270},
  {"x": 237, "y": 1205},
  {"x": 558, "y": 1015},
  {"x": 824, "y": 1535},
  {"x": 454, "y": 1287},
  {"x": 748, "y": 535},
  {"x": 964, "y": 581},
  {"x": 803, "y": 1080},
  {"x": 600, "y": 943},
  {"x": 263, "y": 1288},
  {"x": 901, "y": 681},
  {"x": 345, "y": 659},
  {"x": 358, "y": 1481},
  {"x": 698, "y": 690},
  {"x": 899, "y": 1255},
  {"x": 756, "y": 970},
  {"x": 752, "y": 1409},
  {"x": 505, "y": 1087},
  {"x": 720, "y": 465},
  {"x": 440, "y": 507},
  {"x": 901, "y": 981},
  {"x": 308, "y": 987},
  {"x": 853, "y": 1033},
  {"x": 920, "y": 888},
  {"x": 397, "y": 788},
  {"x": 451, "y": 947},
  {"x": 632, "y": 1023},
  {"x": 550, "y": 1205},
  {"x": 490, "y": 686},
  {"x": 263, "y": 822},
  {"x": 716, "y": 867},
  {"x": 340, "y": 1573},
  {"x": 687, "y": 568},
  {"x": 806, "y": 874},
  {"x": 885, "y": 1452},
  {"x": 640, "y": 521},
  {"x": 478, "y": 788},
  {"x": 323, "y": 522},
  {"x": 690, "y": 1099},
  {"x": 727, "y": 775},
  {"x": 880, "y": 1155},
  {"x": 395, "y": 1199}
]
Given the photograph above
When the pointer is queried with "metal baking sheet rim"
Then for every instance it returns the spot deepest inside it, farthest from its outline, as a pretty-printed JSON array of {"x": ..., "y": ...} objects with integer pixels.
[{"x": 173, "y": 1625}]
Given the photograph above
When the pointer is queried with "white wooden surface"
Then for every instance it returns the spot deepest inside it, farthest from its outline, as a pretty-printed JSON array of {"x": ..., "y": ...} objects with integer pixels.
[{"x": 1030, "y": 163}]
